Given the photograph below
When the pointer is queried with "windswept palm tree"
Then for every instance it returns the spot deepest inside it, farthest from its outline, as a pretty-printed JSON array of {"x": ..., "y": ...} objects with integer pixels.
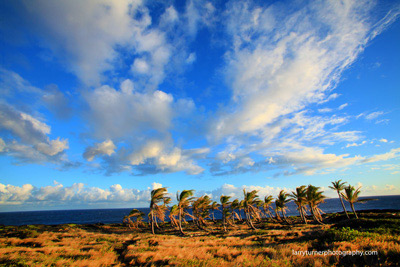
[
  {"x": 214, "y": 206},
  {"x": 134, "y": 214},
  {"x": 314, "y": 198},
  {"x": 201, "y": 211},
  {"x": 158, "y": 195},
  {"x": 267, "y": 204},
  {"x": 280, "y": 204},
  {"x": 351, "y": 195},
  {"x": 184, "y": 200},
  {"x": 235, "y": 205},
  {"x": 338, "y": 186},
  {"x": 225, "y": 211},
  {"x": 249, "y": 203},
  {"x": 300, "y": 199},
  {"x": 173, "y": 213}
]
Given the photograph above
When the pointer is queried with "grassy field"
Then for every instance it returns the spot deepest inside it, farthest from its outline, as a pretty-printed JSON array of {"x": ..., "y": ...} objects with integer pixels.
[{"x": 271, "y": 245}]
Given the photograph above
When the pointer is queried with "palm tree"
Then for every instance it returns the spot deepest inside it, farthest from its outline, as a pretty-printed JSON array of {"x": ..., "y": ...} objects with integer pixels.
[
  {"x": 267, "y": 203},
  {"x": 235, "y": 205},
  {"x": 249, "y": 202},
  {"x": 134, "y": 214},
  {"x": 314, "y": 198},
  {"x": 214, "y": 206},
  {"x": 225, "y": 211},
  {"x": 300, "y": 199},
  {"x": 156, "y": 210},
  {"x": 339, "y": 186},
  {"x": 280, "y": 204},
  {"x": 173, "y": 213},
  {"x": 351, "y": 196},
  {"x": 201, "y": 211},
  {"x": 184, "y": 201}
]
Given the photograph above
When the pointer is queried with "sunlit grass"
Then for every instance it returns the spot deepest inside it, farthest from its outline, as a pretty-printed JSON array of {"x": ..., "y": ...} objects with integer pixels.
[{"x": 271, "y": 245}]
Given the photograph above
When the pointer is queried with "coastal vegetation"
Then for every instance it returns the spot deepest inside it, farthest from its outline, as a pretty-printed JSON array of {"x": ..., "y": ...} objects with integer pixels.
[{"x": 247, "y": 235}]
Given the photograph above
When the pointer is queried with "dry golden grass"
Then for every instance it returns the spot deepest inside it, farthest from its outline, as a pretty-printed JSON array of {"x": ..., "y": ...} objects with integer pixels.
[{"x": 114, "y": 245}]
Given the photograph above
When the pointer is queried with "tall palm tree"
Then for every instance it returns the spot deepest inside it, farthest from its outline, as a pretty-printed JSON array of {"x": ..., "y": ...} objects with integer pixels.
[
  {"x": 314, "y": 198},
  {"x": 338, "y": 186},
  {"x": 156, "y": 210},
  {"x": 267, "y": 203},
  {"x": 351, "y": 196},
  {"x": 184, "y": 200},
  {"x": 225, "y": 211},
  {"x": 280, "y": 204},
  {"x": 300, "y": 199},
  {"x": 249, "y": 202},
  {"x": 134, "y": 214}
]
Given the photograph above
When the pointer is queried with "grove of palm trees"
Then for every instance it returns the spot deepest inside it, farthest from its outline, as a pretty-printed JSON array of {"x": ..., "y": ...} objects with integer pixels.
[{"x": 250, "y": 210}]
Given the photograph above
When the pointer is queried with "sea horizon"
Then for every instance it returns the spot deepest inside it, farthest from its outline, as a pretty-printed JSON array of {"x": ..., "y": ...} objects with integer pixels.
[{"x": 115, "y": 215}]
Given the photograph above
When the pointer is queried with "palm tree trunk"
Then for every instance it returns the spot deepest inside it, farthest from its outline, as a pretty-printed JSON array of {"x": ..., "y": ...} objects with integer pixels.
[
  {"x": 180, "y": 222},
  {"x": 152, "y": 223},
  {"x": 344, "y": 208},
  {"x": 352, "y": 207}
]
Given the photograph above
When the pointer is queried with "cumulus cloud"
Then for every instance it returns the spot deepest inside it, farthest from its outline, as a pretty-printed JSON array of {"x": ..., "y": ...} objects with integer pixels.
[
  {"x": 77, "y": 193},
  {"x": 105, "y": 148},
  {"x": 29, "y": 140}
]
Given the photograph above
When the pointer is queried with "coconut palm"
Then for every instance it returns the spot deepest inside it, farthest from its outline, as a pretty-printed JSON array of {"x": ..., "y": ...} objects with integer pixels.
[
  {"x": 300, "y": 199},
  {"x": 225, "y": 211},
  {"x": 214, "y": 206},
  {"x": 280, "y": 204},
  {"x": 201, "y": 211},
  {"x": 314, "y": 198},
  {"x": 173, "y": 213},
  {"x": 134, "y": 214},
  {"x": 338, "y": 186},
  {"x": 184, "y": 200},
  {"x": 249, "y": 203},
  {"x": 267, "y": 203},
  {"x": 351, "y": 196},
  {"x": 158, "y": 195},
  {"x": 235, "y": 205}
]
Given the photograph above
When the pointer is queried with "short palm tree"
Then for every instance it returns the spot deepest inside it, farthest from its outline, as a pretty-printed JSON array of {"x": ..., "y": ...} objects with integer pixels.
[
  {"x": 300, "y": 199},
  {"x": 280, "y": 204},
  {"x": 250, "y": 201},
  {"x": 338, "y": 186},
  {"x": 225, "y": 211},
  {"x": 158, "y": 195},
  {"x": 351, "y": 195},
  {"x": 235, "y": 205},
  {"x": 314, "y": 198},
  {"x": 134, "y": 214},
  {"x": 184, "y": 200}
]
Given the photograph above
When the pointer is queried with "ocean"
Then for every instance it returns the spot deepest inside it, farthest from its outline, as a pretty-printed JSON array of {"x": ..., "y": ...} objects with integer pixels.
[{"x": 107, "y": 216}]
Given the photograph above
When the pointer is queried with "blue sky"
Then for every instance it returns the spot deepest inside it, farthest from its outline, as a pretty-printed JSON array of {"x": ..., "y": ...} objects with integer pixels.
[{"x": 102, "y": 101}]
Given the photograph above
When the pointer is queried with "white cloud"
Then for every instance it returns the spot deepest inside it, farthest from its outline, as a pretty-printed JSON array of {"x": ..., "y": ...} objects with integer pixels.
[
  {"x": 356, "y": 144},
  {"x": 77, "y": 193},
  {"x": 343, "y": 106},
  {"x": 29, "y": 140},
  {"x": 374, "y": 115},
  {"x": 105, "y": 148},
  {"x": 118, "y": 113},
  {"x": 393, "y": 153},
  {"x": 84, "y": 34},
  {"x": 383, "y": 140},
  {"x": 156, "y": 185}
]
